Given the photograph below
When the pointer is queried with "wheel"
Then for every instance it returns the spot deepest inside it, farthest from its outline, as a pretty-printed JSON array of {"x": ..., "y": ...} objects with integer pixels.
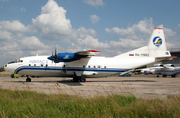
[
  {"x": 76, "y": 79},
  {"x": 12, "y": 75},
  {"x": 173, "y": 76},
  {"x": 82, "y": 79},
  {"x": 157, "y": 75},
  {"x": 28, "y": 80},
  {"x": 164, "y": 75}
]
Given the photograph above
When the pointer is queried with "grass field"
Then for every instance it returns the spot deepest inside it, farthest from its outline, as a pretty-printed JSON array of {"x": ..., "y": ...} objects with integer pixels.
[{"x": 19, "y": 104}]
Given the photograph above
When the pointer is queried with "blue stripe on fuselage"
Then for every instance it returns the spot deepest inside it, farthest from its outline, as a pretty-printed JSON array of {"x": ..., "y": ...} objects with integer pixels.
[{"x": 69, "y": 69}]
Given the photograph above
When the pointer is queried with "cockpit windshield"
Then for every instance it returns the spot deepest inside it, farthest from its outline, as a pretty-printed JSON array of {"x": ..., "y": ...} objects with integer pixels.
[{"x": 16, "y": 61}]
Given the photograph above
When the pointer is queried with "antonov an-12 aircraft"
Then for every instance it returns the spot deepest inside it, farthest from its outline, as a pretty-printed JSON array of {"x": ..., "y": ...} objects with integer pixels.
[
  {"x": 166, "y": 70},
  {"x": 84, "y": 64}
]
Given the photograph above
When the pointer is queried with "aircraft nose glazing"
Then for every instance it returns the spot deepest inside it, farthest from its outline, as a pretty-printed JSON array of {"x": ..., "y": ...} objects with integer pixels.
[{"x": 5, "y": 66}]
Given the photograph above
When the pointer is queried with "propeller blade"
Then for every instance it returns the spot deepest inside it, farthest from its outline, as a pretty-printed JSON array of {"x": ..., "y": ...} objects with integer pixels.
[
  {"x": 55, "y": 56},
  {"x": 55, "y": 52}
]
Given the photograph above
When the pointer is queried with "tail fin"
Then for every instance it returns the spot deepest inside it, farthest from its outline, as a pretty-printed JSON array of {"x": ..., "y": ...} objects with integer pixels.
[
  {"x": 156, "y": 47},
  {"x": 157, "y": 40}
]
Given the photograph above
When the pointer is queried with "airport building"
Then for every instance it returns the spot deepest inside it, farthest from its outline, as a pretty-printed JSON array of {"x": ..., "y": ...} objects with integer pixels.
[{"x": 174, "y": 61}]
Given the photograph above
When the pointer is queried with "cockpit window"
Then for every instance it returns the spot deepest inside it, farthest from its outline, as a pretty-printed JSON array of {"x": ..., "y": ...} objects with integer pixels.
[
  {"x": 16, "y": 61},
  {"x": 12, "y": 62}
]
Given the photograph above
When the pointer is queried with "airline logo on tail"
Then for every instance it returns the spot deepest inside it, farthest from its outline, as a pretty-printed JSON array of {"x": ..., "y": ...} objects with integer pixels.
[{"x": 157, "y": 41}]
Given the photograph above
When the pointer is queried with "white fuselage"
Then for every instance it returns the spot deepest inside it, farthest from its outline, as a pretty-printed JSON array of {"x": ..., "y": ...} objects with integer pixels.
[{"x": 86, "y": 67}]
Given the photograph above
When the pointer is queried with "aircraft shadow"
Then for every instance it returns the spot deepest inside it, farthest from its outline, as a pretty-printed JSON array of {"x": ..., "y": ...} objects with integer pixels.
[
  {"x": 71, "y": 83},
  {"x": 67, "y": 82},
  {"x": 127, "y": 81}
]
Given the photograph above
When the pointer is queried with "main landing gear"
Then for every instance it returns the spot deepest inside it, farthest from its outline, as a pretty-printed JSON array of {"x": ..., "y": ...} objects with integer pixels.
[
  {"x": 28, "y": 79},
  {"x": 77, "y": 79}
]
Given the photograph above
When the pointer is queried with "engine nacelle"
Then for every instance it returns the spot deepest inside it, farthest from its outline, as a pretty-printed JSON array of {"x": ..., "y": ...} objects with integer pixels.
[
  {"x": 168, "y": 65},
  {"x": 66, "y": 57},
  {"x": 163, "y": 65},
  {"x": 157, "y": 65}
]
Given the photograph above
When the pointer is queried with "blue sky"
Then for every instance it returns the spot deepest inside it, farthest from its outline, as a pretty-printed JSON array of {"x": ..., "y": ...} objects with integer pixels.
[{"x": 30, "y": 27}]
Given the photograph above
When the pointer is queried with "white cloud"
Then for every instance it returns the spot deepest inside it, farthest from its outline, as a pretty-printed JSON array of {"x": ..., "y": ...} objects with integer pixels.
[
  {"x": 127, "y": 43},
  {"x": 171, "y": 40},
  {"x": 5, "y": 36},
  {"x": 4, "y": 0},
  {"x": 94, "y": 18},
  {"x": 81, "y": 32},
  {"x": 91, "y": 42},
  {"x": 23, "y": 9},
  {"x": 86, "y": 39},
  {"x": 94, "y": 2},
  {"x": 121, "y": 31},
  {"x": 178, "y": 29},
  {"x": 142, "y": 29},
  {"x": 32, "y": 43},
  {"x": 169, "y": 33},
  {"x": 26, "y": 46},
  {"x": 15, "y": 26},
  {"x": 52, "y": 20}
]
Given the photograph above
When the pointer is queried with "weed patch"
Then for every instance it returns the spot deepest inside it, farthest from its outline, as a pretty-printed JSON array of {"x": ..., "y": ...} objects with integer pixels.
[{"x": 32, "y": 104}]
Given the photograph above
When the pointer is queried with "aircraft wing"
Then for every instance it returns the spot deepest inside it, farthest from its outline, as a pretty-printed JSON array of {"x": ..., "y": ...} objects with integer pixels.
[
  {"x": 158, "y": 67},
  {"x": 68, "y": 57},
  {"x": 87, "y": 52}
]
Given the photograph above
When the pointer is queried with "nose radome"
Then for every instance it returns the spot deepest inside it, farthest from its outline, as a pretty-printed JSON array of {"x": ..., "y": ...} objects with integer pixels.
[{"x": 9, "y": 68}]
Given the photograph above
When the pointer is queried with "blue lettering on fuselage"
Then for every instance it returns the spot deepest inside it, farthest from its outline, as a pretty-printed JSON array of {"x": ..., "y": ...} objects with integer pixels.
[{"x": 38, "y": 61}]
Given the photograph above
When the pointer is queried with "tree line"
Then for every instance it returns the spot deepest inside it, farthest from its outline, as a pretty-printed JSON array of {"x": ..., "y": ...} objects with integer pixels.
[{"x": 2, "y": 69}]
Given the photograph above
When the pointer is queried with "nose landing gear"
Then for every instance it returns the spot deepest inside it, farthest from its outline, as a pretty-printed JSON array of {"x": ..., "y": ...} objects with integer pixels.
[{"x": 28, "y": 79}]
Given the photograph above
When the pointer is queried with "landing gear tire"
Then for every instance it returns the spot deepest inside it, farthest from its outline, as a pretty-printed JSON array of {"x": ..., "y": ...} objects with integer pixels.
[
  {"x": 173, "y": 76},
  {"x": 164, "y": 75},
  {"x": 82, "y": 79},
  {"x": 28, "y": 79},
  {"x": 76, "y": 79}
]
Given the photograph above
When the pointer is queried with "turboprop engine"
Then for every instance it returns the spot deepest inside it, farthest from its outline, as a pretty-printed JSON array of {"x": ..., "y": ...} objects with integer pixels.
[{"x": 65, "y": 57}]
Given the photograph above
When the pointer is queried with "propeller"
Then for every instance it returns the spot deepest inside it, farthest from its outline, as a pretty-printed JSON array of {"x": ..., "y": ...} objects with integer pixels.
[{"x": 55, "y": 57}]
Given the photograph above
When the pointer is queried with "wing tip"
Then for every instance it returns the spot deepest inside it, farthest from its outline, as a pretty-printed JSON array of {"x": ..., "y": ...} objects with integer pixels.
[{"x": 94, "y": 51}]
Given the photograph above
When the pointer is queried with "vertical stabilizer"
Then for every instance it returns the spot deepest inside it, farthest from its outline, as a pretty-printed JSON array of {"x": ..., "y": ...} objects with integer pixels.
[
  {"x": 157, "y": 40},
  {"x": 155, "y": 48}
]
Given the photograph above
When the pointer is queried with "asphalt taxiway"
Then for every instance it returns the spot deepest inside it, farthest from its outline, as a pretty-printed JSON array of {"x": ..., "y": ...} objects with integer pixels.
[{"x": 141, "y": 87}]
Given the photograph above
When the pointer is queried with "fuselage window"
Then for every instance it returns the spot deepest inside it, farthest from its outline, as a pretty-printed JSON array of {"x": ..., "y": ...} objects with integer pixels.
[
  {"x": 104, "y": 66},
  {"x": 34, "y": 64},
  {"x": 89, "y": 66},
  {"x": 83, "y": 66},
  {"x": 94, "y": 66},
  {"x": 21, "y": 60},
  {"x": 41, "y": 65},
  {"x": 46, "y": 65},
  {"x": 99, "y": 66},
  {"x": 29, "y": 64}
]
